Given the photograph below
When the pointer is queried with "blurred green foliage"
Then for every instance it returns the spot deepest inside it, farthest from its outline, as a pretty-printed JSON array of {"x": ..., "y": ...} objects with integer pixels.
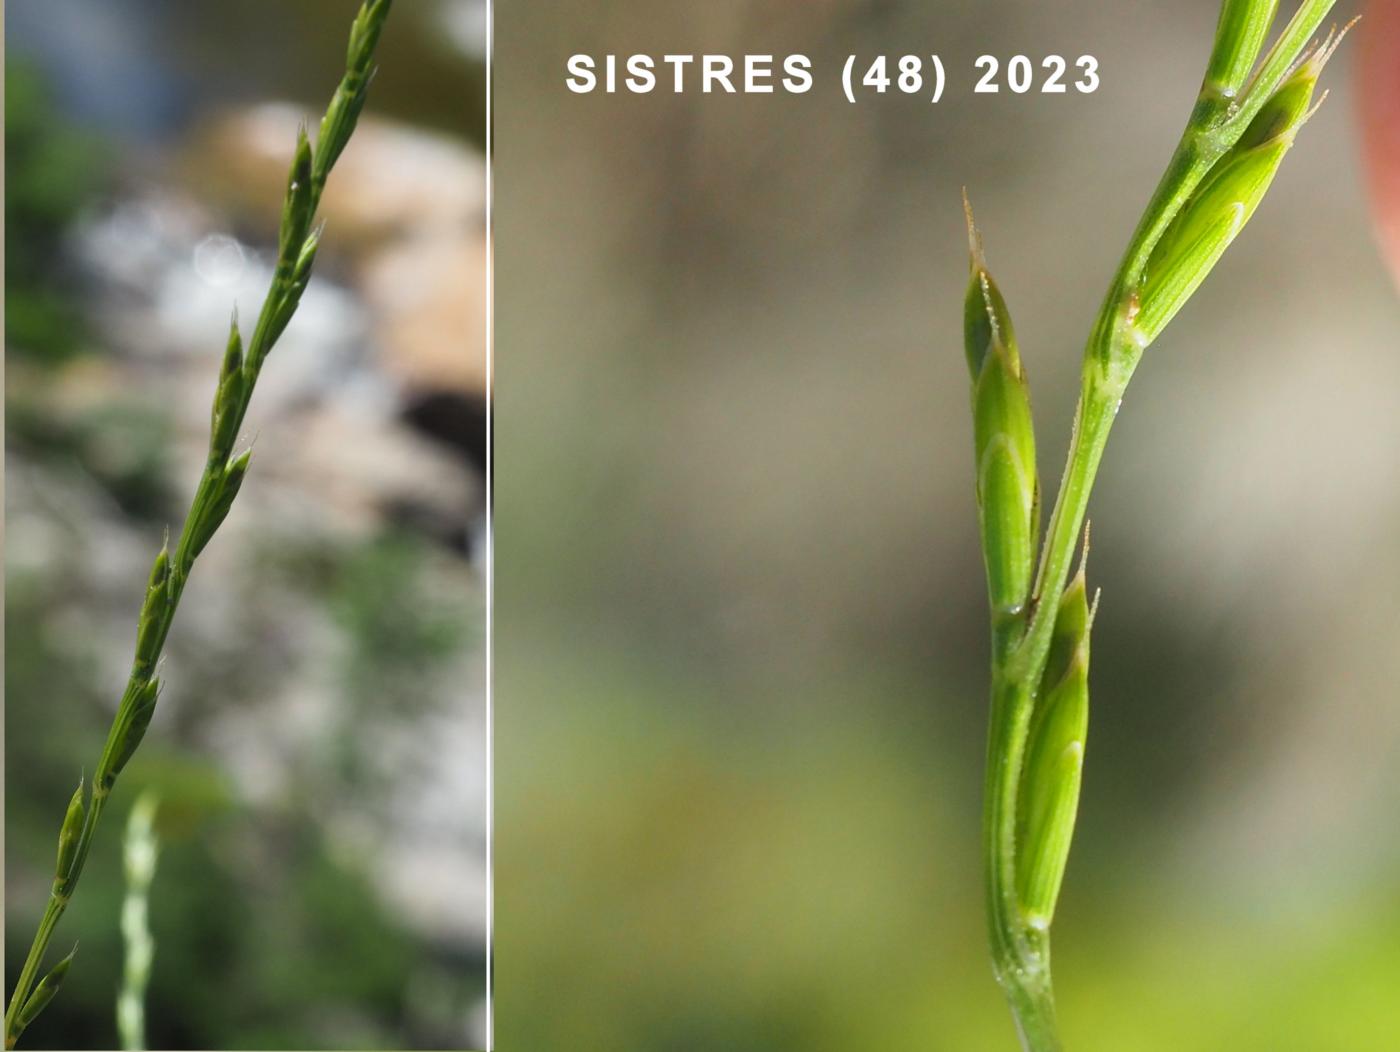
[
  {"x": 122, "y": 446},
  {"x": 398, "y": 632},
  {"x": 684, "y": 868},
  {"x": 51, "y": 172}
]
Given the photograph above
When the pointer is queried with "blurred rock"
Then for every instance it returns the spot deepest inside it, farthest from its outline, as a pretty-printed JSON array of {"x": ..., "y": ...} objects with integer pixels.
[
  {"x": 408, "y": 208},
  {"x": 391, "y": 179},
  {"x": 387, "y": 351},
  {"x": 425, "y": 287}
]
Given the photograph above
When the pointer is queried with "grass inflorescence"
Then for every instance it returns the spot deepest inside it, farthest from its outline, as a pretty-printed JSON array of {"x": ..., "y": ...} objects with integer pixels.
[
  {"x": 224, "y": 473},
  {"x": 1251, "y": 106}
]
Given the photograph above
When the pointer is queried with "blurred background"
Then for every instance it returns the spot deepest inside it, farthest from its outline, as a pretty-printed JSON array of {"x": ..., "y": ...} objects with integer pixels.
[
  {"x": 741, "y": 660},
  {"x": 320, "y": 748}
]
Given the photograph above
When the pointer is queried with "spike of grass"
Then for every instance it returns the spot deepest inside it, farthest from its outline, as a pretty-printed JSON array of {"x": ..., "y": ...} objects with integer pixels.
[
  {"x": 223, "y": 476},
  {"x": 45, "y": 992},
  {"x": 1235, "y": 139},
  {"x": 140, "y": 852}
]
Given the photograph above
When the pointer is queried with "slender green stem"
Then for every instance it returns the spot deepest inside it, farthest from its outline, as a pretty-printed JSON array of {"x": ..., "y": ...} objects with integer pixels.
[
  {"x": 1033, "y": 1006},
  {"x": 30, "y": 972},
  {"x": 1021, "y": 953},
  {"x": 1110, "y": 358},
  {"x": 1098, "y": 405}
]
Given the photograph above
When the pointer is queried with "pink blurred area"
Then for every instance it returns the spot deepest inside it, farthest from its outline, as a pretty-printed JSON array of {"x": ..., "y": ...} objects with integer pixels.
[{"x": 1379, "y": 99}]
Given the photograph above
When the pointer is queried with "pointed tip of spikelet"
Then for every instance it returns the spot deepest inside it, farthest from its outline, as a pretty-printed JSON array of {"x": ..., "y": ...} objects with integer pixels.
[
  {"x": 1319, "y": 52},
  {"x": 1333, "y": 42},
  {"x": 1079, "y": 581},
  {"x": 974, "y": 237},
  {"x": 985, "y": 299},
  {"x": 1315, "y": 59}
]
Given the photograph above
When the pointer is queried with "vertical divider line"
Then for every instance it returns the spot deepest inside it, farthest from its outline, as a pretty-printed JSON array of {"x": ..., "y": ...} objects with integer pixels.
[{"x": 490, "y": 533}]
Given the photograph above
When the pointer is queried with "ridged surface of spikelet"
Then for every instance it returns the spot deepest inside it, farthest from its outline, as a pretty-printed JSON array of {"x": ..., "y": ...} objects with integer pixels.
[
  {"x": 1048, "y": 801},
  {"x": 1003, "y": 439}
]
